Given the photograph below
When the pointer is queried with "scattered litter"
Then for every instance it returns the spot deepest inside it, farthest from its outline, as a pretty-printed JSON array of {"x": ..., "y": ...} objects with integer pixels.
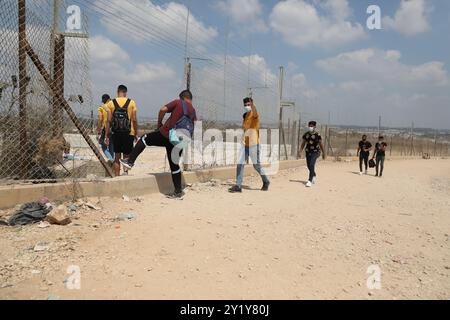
[
  {"x": 41, "y": 246},
  {"x": 29, "y": 213},
  {"x": 126, "y": 217},
  {"x": 43, "y": 224},
  {"x": 91, "y": 206},
  {"x": 44, "y": 201},
  {"x": 126, "y": 198},
  {"x": 36, "y": 272}
]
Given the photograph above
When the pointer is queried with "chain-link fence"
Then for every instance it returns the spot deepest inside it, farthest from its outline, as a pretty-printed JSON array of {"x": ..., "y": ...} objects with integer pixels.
[
  {"x": 45, "y": 95},
  {"x": 47, "y": 110},
  {"x": 343, "y": 142}
]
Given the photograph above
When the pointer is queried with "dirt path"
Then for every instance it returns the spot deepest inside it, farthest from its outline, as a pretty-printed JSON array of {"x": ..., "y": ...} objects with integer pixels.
[{"x": 290, "y": 243}]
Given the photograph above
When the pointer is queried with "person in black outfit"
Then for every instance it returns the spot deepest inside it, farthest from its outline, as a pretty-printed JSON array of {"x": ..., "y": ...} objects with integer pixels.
[
  {"x": 364, "y": 149},
  {"x": 312, "y": 143},
  {"x": 380, "y": 155}
]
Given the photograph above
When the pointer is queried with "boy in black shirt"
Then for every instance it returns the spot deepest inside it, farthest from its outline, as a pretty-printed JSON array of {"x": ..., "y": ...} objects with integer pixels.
[
  {"x": 380, "y": 154},
  {"x": 364, "y": 152},
  {"x": 313, "y": 143}
]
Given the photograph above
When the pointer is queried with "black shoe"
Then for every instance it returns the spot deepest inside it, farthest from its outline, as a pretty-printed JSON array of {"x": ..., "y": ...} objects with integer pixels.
[
  {"x": 177, "y": 195},
  {"x": 127, "y": 164},
  {"x": 235, "y": 189},
  {"x": 265, "y": 186}
]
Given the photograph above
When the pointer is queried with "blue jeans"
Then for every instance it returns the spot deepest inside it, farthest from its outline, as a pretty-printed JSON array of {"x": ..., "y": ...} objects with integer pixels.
[
  {"x": 311, "y": 159},
  {"x": 107, "y": 150},
  {"x": 253, "y": 153}
]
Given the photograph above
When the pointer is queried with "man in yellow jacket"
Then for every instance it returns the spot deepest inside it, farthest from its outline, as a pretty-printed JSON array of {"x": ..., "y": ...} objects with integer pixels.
[
  {"x": 103, "y": 115},
  {"x": 250, "y": 147}
]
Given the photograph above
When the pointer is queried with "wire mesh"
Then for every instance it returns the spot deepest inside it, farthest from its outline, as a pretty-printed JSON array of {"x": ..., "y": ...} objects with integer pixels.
[{"x": 38, "y": 140}]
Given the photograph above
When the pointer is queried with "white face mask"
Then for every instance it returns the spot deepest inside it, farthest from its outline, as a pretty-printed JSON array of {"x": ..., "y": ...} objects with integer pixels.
[
  {"x": 247, "y": 109},
  {"x": 311, "y": 129}
]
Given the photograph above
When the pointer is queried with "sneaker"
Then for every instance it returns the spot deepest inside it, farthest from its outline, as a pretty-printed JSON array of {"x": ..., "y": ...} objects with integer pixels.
[
  {"x": 176, "y": 195},
  {"x": 309, "y": 184},
  {"x": 235, "y": 189},
  {"x": 128, "y": 165},
  {"x": 265, "y": 186},
  {"x": 314, "y": 181},
  {"x": 360, "y": 173}
]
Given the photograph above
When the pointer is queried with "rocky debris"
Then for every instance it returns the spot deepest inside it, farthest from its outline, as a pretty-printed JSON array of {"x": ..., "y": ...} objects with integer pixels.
[
  {"x": 43, "y": 225},
  {"x": 126, "y": 217},
  {"x": 41, "y": 246},
  {"x": 72, "y": 208},
  {"x": 59, "y": 216}
]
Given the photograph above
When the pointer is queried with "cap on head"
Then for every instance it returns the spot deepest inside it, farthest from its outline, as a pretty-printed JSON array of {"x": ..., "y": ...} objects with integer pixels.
[
  {"x": 122, "y": 89},
  {"x": 106, "y": 98},
  {"x": 186, "y": 94},
  {"x": 312, "y": 124}
]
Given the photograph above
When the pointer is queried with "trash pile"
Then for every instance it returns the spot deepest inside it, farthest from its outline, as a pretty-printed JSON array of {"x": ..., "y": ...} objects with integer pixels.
[
  {"x": 35, "y": 212},
  {"x": 28, "y": 214}
]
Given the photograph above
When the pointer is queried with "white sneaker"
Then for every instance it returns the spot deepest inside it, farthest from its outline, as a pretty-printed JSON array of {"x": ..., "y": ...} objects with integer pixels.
[
  {"x": 360, "y": 173},
  {"x": 314, "y": 180},
  {"x": 309, "y": 184}
]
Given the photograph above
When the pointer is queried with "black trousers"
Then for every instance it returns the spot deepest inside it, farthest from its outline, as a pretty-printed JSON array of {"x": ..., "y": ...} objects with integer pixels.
[
  {"x": 311, "y": 159},
  {"x": 363, "y": 157},
  {"x": 380, "y": 165},
  {"x": 156, "y": 139}
]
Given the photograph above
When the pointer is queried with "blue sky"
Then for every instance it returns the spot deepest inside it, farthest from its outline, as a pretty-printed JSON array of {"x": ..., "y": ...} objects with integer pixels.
[{"x": 333, "y": 62}]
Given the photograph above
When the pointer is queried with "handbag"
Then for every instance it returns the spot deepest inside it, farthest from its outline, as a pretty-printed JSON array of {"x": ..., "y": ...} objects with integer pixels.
[{"x": 372, "y": 163}]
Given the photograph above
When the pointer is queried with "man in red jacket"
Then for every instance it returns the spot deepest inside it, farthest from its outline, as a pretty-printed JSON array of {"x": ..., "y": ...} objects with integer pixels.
[{"x": 160, "y": 138}]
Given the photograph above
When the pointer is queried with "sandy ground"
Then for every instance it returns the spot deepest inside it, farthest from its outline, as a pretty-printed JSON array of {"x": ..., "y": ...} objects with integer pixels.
[{"x": 290, "y": 243}]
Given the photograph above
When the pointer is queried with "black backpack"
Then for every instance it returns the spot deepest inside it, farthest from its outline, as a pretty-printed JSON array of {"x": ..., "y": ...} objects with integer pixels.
[{"x": 120, "y": 122}]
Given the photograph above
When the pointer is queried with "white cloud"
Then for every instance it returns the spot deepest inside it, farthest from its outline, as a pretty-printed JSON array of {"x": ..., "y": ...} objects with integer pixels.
[
  {"x": 301, "y": 25},
  {"x": 111, "y": 65},
  {"x": 410, "y": 19},
  {"x": 247, "y": 14},
  {"x": 103, "y": 49},
  {"x": 384, "y": 66},
  {"x": 372, "y": 82},
  {"x": 147, "y": 72},
  {"x": 142, "y": 20}
]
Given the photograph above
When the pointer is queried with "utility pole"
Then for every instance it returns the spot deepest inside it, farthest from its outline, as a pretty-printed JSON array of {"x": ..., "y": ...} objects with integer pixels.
[
  {"x": 283, "y": 104},
  {"x": 299, "y": 134},
  {"x": 23, "y": 82},
  {"x": 248, "y": 70},
  {"x": 55, "y": 30},
  {"x": 435, "y": 144},
  {"x": 379, "y": 126},
  {"x": 225, "y": 65},
  {"x": 280, "y": 124},
  {"x": 187, "y": 63},
  {"x": 188, "y": 71}
]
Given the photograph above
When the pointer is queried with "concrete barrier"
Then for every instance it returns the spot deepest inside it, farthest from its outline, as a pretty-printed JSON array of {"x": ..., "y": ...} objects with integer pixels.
[{"x": 12, "y": 195}]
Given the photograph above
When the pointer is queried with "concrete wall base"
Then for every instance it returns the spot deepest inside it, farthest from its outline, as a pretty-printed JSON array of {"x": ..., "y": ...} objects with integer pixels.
[{"x": 12, "y": 195}]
